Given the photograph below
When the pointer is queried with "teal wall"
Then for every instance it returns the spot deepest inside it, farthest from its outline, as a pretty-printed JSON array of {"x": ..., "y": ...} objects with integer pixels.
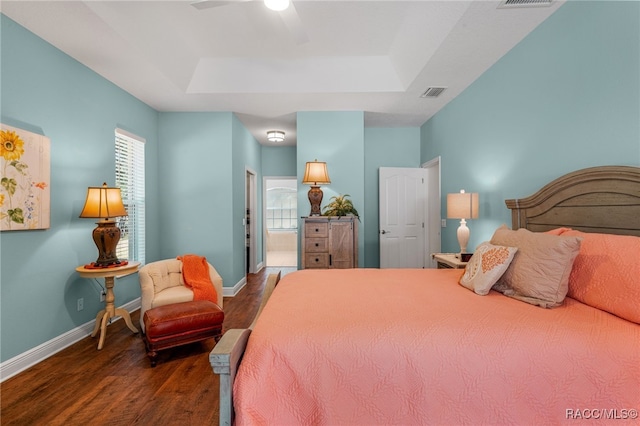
[
  {"x": 336, "y": 138},
  {"x": 246, "y": 156},
  {"x": 45, "y": 91},
  {"x": 202, "y": 161},
  {"x": 565, "y": 98},
  {"x": 195, "y": 182},
  {"x": 383, "y": 147},
  {"x": 279, "y": 161},
  {"x": 195, "y": 202}
]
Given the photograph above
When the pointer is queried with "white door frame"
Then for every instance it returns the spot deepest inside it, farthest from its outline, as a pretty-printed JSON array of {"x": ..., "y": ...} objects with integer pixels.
[
  {"x": 250, "y": 206},
  {"x": 433, "y": 243}
]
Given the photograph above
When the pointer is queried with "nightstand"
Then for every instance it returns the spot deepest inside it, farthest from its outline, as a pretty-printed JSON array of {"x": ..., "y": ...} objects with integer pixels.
[{"x": 448, "y": 261}]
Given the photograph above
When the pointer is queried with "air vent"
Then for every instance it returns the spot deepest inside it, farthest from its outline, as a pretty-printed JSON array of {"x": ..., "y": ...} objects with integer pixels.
[
  {"x": 433, "y": 92},
  {"x": 504, "y": 4}
]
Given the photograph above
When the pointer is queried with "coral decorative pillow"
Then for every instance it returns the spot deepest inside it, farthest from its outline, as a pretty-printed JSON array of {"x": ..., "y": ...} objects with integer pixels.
[
  {"x": 487, "y": 264},
  {"x": 606, "y": 274},
  {"x": 539, "y": 272}
]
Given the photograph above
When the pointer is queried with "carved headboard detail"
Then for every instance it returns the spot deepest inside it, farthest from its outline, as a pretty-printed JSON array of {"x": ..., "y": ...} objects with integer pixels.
[{"x": 602, "y": 199}]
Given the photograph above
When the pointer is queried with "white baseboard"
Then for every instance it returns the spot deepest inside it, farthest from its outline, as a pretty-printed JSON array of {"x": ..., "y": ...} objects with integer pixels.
[
  {"x": 232, "y": 291},
  {"x": 21, "y": 362}
]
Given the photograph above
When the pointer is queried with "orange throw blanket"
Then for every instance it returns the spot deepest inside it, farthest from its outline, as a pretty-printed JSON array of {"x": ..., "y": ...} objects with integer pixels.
[{"x": 195, "y": 271}]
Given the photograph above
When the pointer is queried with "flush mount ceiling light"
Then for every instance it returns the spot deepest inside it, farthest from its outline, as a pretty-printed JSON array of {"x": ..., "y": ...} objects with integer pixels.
[
  {"x": 277, "y": 5},
  {"x": 275, "y": 136}
]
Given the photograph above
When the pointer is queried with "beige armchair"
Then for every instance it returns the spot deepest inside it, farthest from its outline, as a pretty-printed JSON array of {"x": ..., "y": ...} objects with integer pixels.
[{"x": 161, "y": 283}]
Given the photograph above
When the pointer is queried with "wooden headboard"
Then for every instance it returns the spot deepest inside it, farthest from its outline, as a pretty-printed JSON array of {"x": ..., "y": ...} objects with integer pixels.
[{"x": 602, "y": 199}]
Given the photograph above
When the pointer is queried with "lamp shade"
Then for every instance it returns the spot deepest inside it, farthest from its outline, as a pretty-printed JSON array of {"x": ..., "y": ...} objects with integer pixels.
[
  {"x": 103, "y": 202},
  {"x": 462, "y": 205},
  {"x": 316, "y": 173}
]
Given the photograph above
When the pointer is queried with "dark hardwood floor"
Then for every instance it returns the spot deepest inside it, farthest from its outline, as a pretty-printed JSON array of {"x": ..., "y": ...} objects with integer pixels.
[{"x": 117, "y": 386}]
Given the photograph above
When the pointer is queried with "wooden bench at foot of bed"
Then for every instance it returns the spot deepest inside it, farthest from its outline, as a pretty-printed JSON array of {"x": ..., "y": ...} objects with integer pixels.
[{"x": 226, "y": 355}]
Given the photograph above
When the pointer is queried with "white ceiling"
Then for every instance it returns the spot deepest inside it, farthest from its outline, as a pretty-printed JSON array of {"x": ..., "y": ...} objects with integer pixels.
[{"x": 371, "y": 56}]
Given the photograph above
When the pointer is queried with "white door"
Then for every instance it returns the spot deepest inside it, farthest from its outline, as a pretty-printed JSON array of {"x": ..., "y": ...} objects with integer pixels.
[{"x": 403, "y": 194}]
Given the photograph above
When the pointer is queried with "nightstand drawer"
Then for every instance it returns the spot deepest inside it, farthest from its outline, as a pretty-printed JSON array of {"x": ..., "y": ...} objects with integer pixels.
[
  {"x": 316, "y": 245},
  {"x": 317, "y": 260},
  {"x": 316, "y": 229}
]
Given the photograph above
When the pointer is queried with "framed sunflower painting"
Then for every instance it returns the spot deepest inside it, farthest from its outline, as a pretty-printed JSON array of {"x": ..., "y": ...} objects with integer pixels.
[{"x": 25, "y": 162}]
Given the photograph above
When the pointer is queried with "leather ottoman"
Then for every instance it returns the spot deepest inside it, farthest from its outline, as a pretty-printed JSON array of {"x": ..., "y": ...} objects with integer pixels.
[{"x": 181, "y": 323}]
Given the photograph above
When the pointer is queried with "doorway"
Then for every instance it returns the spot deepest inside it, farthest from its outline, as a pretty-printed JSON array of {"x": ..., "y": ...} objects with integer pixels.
[
  {"x": 251, "y": 266},
  {"x": 281, "y": 221},
  {"x": 433, "y": 215}
]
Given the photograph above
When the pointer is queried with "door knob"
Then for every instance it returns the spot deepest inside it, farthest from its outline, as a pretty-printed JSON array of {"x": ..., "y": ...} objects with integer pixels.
[{"x": 385, "y": 232}]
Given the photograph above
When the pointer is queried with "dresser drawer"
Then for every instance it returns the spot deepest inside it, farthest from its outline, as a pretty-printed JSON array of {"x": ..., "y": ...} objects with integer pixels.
[
  {"x": 317, "y": 260},
  {"x": 316, "y": 229},
  {"x": 316, "y": 245}
]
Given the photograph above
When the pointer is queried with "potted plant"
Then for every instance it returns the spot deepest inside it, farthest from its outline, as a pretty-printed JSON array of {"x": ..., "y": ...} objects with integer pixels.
[{"x": 340, "y": 205}]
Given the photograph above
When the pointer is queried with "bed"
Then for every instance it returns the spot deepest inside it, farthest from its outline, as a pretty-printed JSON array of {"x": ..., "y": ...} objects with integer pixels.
[{"x": 414, "y": 346}]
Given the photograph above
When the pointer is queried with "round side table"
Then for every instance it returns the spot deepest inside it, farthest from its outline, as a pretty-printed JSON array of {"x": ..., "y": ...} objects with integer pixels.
[{"x": 109, "y": 311}]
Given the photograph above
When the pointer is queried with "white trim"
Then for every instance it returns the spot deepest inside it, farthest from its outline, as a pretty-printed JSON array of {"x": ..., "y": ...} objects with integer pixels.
[
  {"x": 433, "y": 208},
  {"x": 251, "y": 197},
  {"x": 431, "y": 162},
  {"x": 33, "y": 356},
  {"x": 129, "y": 135},
  {"x": 233, "y": 291}
]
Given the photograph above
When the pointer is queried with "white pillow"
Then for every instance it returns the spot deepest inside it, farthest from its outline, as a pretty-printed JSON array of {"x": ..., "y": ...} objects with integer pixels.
[{"x": 486, "y": 266}]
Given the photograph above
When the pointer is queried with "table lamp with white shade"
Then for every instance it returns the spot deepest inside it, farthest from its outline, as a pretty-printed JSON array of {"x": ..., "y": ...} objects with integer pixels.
[{"x": 462, "y": 205}]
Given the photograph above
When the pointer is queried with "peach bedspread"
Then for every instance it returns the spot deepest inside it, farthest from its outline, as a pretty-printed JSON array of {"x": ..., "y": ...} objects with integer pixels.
[{"x": 412, "y": 347}]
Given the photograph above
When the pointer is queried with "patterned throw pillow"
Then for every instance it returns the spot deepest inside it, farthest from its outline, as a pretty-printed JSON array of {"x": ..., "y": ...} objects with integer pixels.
[{"x": 486, "y": 266}]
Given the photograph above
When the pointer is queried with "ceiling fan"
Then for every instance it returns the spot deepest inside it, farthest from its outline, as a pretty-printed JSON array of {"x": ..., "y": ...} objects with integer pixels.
[{"x": 285, "y": 8}]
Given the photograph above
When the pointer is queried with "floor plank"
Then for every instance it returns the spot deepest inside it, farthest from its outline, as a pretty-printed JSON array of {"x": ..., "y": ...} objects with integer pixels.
[{"x": 117, "y": 386}]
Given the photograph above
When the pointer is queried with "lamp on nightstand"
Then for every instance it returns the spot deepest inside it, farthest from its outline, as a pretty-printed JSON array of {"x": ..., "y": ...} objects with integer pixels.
[
  {"x": 462, "y": 205},
  {"x": 315, "y": 174}
]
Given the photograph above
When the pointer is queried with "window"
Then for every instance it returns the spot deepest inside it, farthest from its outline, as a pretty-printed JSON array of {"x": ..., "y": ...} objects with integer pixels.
[
  {"x": 130, "y": 180},
  {"x": 282, "y": 212}
]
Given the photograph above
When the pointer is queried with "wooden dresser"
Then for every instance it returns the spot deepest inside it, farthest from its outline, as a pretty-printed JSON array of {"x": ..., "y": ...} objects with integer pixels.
[{"x": 329, "y": 242}]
